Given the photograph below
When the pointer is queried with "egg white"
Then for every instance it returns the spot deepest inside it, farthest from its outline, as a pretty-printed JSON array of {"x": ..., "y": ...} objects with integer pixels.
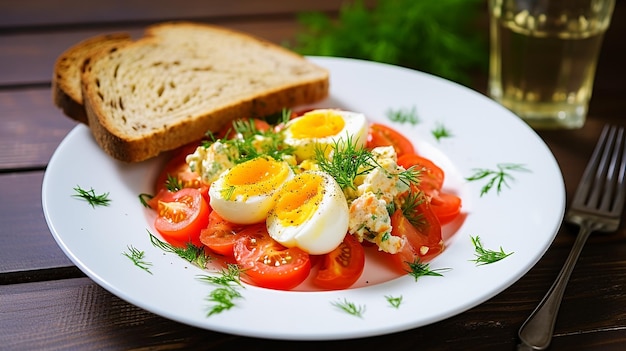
[
  {"x": 232, "y": 202},
  {"x": 355, "y": 128},
  {"x": 327, "y": 222}
]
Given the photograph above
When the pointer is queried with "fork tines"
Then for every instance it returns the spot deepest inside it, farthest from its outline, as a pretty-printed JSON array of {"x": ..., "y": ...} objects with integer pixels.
[{"x": 603, "y": 184}]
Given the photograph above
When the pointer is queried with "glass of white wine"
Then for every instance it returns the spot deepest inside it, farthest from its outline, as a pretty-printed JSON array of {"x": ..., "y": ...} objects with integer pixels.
[{"x": 543, "y": 57}]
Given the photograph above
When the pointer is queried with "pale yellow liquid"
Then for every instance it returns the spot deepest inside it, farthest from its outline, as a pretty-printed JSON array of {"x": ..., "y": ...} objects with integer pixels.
[{"x": 544, "y": 76}]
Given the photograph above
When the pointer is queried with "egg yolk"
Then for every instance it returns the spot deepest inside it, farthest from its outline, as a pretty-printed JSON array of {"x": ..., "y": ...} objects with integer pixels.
[
  {"x": 299, "y": 199},
  {"x": 317, "y": 124},
  {"x": 259, "y": 176}
]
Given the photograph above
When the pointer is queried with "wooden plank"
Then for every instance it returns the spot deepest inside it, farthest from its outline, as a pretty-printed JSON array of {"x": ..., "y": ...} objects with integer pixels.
[
  {"x": 78, "y": 312},
  {"x": 31, "y": 128},
  {"x": 25, "y": 240},
  {"x": 67, "y": 12},
  {"x": 28, "y": 58}
]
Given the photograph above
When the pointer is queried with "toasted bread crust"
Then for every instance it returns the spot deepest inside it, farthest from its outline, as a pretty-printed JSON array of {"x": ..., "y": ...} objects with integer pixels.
[
  {"x": 66, "y": 85},
  {"x": 133, "y": 137}
]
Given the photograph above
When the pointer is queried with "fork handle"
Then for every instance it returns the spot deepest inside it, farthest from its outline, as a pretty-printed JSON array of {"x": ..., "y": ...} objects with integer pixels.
[{"x": 536, "y": 332}]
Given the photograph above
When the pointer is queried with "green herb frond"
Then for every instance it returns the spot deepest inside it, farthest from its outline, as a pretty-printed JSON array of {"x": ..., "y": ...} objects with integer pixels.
[
  {"x": 441, "y": 132},
  {"x": 409, "y": 208},
  {"x": 251, "y": 142},
  {"x": 486, "y": 256},
  {"x": 404, "y": 116},
  {"x": 173, "y": 184},
  {"x": 394, "y": 301},
  {"x": 137, "y": 257},
  {"x": 420, "y": 269},
  {"x": 350, "y": 308},
  {"x": 144, "y": 198},
  {"x": 348, "y": 161},
  {"x": 497, "y": 178},
  {"x": 191, "y": 253},
  {"x": 91, "y": 197},
  {"x": 226, "y": 292}
]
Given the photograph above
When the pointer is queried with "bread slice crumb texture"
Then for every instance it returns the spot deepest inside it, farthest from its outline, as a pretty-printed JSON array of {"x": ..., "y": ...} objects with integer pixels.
[{"x": 182, "y": 79}]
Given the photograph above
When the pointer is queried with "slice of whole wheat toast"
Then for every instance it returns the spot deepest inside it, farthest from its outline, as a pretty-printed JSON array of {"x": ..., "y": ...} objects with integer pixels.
[
  {"x": 66, "y": 80},
  {"x": 183, "y": 79}
]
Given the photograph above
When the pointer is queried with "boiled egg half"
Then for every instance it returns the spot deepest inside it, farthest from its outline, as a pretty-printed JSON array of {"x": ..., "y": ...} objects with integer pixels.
[
  {"x": 310, "y": 212},
  {"x": 245, "y": 193},
  {"x": 324, "y": 128}
]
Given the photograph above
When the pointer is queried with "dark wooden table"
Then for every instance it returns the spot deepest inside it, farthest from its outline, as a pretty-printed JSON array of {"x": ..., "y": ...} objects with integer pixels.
[{"x": 47, "y": 303}]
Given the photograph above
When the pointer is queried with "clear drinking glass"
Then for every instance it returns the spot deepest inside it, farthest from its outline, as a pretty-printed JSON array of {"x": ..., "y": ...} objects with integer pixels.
[{"x": 543, "y": 57}]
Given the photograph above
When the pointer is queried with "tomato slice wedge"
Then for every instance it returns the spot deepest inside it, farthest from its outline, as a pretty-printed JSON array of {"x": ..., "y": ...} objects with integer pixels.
[
  {"x": 220, "y": 235},
  {"x": 446, "y": 207},
  {"x": 178, "y": 169},
  {"x": 431, "y": 176},
  {"x": 382, "y": 135},
  {"x": 181, "y": 215},
  {"x": 342, "y": 267},
  {"x": 267, "y": 263},
  {"x": 424, "y": 239}
]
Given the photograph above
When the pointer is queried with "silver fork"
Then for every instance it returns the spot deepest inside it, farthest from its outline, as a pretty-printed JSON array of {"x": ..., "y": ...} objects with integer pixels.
[{"x": 597, "y": 207}]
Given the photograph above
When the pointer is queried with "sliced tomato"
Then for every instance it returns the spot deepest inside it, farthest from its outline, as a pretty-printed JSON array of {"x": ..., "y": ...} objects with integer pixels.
[
  {"x": 424, "y": 239},
  {"x": 178, "y": 169},
  {"x": 267, "y": 263},
  {"x": 382, "y": 135},
  {"x": 446, "y": 207},
  {"x": 431, "y": 175},
  {"x": 343, "y": 266},
  {"x": 181, "y": 215},
  {"x": 220, "y": 235}
]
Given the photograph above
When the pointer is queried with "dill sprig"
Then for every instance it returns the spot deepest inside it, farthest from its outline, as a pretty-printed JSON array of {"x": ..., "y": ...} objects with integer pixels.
[
  {"x": 227, "y": 282},
  {"x": 394, "y": 301},
  {"x": 191, "y": 253},
  {"x": 144, "y": 198},
  {"x": 409, "y": 207},
  {"x": 173, "y": 184},
  {"x": 350, "y": 308},
  {"x": 250, "y": 142},
  {"x": 440, "y": 132},
  {"x": 486, "y": 256},
  {"x": 91, "y": 197},
  {"x": 347, "y": 162},
  {"x": 421, "y": 269},
  {"x": 137, "y": 257},
  {"x": 497, "y": 178},
  {"x": 404, "y": 116}
]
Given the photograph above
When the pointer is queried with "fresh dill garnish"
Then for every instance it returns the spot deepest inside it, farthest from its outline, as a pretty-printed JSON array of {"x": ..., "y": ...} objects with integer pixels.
[
  {"x": 404, "y": 116},
  {"x": 394, "y": 301},
  {"x": 227, "y": 283},
  {"x": 420, "y": 269},
  {"x": 91, "y": 197},
  {"x": 497, "y": 178},
  {"x": 347, "y": 162},
  {"x": 350, "y": 308},
  {"x": 191, "y": 253},
  {"x": 440, "y": 132},
  {"x": 173, "y": 184},
  {"x": 409, "y": 208},
  {"x": 137, "y": 257},
  {"x": 486, "y": 256},
  {"x": 250, "y": 142},
  {"x": 143, "y": 198},
  {"x": 410, "y": 176}
]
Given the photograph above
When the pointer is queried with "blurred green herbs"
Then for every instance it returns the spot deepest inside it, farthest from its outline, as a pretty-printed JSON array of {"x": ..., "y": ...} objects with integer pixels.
[{"x": 440, "y": 37}]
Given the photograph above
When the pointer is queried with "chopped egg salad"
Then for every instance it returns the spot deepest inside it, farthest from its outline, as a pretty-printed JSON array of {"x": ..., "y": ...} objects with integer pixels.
[{"x": 312, "y": 184}]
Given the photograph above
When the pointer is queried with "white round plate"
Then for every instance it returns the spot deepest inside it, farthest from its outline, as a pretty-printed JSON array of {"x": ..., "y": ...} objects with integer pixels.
[{"x": 521, "y": 217}]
